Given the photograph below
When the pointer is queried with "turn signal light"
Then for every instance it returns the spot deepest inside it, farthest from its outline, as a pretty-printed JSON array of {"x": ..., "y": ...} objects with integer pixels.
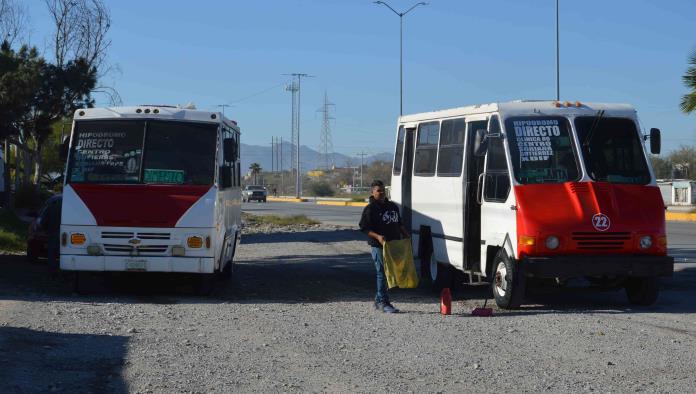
[
  {"x": 207, "y": 242},
  {"x": 78, "y": 239},
  {"x": 662, "y": 241},
  {"x": 64, "y": 239},
  {"x": 194, "y": 242},
  {"x": 527, "y": 240}
]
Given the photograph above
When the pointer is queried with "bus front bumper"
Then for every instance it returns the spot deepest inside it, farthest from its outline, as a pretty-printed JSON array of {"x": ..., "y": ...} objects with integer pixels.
[
  {"x": 598, "y": 265},
  {"x": 137, "y": 263}
]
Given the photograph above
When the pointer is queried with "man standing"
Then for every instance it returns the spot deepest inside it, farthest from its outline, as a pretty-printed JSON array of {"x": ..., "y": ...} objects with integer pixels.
[{"x": 381, "y": 222}]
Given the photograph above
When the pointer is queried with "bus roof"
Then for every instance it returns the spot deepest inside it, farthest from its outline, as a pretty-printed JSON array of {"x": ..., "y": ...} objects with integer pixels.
[
  {"x": 153, "y": 112},
  {"x": 525, "y": 107}
]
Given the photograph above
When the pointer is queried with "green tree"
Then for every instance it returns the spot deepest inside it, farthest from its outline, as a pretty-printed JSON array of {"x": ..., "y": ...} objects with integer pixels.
[
  {"x": 255, "y": 170},
  {"x": 688, "y": 103},
  {"x": 34, "y": 95}
]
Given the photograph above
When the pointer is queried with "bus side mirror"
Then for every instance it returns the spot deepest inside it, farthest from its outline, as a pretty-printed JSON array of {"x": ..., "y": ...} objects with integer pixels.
[
  {"x": 63, "y": 152},
  {"x": 229, "y": 148},
  {"x": 655, "y": 141},
  {"x": 481, "y": 142}
]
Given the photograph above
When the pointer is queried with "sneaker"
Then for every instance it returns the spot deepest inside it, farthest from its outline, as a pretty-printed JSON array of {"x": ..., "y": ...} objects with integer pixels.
[{"x": 387, "y": 308}]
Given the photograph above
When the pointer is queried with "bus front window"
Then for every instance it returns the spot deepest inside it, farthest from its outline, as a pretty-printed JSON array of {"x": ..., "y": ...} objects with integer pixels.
[
  {"x": 541, "y": 149},
  {"x": 136, "y": 151},
  {"x": 612, "y": 150}
]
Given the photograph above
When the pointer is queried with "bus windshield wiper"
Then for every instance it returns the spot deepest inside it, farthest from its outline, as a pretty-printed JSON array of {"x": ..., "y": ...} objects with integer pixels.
[{"x": 595, "y": 123}]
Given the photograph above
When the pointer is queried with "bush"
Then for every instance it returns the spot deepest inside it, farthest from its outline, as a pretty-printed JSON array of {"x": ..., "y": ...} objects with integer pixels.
[
  {"x": 321, "y": 189},
  {"x": 13, "y": 232}
]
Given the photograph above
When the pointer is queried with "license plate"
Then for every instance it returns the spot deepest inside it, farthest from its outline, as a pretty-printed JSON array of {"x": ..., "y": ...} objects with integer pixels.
[{"x": 135, "y": 265}]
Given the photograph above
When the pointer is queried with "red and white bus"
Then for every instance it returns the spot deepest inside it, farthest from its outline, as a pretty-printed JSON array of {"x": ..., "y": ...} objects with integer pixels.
[
  {"x": 532, "y": 189},
  {"x": 151, "y": 188}
]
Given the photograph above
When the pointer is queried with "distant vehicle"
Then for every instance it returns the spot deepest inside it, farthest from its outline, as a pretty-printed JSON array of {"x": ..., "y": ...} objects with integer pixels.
[
  {"x": 532, "y": 189},
  {"x": 37, "y": 238},
  {"x": 254, "y": 192},
  {"x": 151, "y": 188}
]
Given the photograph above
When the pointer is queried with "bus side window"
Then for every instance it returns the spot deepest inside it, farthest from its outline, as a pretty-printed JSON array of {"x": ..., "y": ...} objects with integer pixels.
[
  {"x": 497, "y": 184},
  {"x": 426, "y": 149},
  {"x": 399, "y": 152},
  {"x": 450, "y": 157}
]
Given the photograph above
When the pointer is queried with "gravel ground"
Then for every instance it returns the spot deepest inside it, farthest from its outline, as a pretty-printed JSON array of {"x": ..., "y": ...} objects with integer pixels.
[{"x": 298, "y": 317}]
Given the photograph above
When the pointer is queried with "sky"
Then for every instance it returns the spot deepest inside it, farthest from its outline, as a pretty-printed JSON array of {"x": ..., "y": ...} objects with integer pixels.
[{"x": 456, "y": 53}]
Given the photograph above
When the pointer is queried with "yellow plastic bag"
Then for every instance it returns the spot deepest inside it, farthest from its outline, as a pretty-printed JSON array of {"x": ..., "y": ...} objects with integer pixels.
[{"x": 398, "y": 264}]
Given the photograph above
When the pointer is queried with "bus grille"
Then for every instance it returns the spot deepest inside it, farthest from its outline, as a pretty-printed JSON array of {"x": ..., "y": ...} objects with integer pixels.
[
  {"x": 601, "y": 241},
  {"x": 142, "y": 249},
  {"x": 129, "y": 235}
]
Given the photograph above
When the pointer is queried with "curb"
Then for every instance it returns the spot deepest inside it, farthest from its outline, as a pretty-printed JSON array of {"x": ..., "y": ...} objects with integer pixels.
[
  {"x": 280, "y": 199},
  {"x": 342, "y": 203},
  {"x": 680, "y": 216}
]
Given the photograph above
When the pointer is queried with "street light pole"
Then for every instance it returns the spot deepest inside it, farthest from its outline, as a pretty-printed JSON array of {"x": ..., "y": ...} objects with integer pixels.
[{"x": 401, "y": 48}]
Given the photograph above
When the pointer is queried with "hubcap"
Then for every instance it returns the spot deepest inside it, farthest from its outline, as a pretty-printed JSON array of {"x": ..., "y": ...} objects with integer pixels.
[
  {"x": 433, "y": 267},
  {"x": 501, "y": 284}
]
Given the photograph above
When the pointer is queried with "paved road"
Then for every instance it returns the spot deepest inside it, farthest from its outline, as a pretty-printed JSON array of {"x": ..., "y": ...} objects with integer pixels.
[{"x": 681, "y": 235}]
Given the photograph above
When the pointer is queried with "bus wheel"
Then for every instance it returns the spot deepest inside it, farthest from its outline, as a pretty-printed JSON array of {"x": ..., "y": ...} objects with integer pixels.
[
  {"x": 205, "y": 283},
  {"x": 438, "y": 275},
  {"x": 508, "y": 285},
  {"x": 642, "y": 291}
]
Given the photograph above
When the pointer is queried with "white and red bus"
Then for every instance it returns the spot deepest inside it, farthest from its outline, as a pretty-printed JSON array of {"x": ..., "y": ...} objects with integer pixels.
[
  {"x": 532, "y": 189},
  {"x": 151, "y": 188}
]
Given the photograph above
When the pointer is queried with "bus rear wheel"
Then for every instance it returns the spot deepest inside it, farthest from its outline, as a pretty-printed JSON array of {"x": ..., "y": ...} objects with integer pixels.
[
  {"x": 508, "y": 283},
  {"x": 642, "y": 291}
]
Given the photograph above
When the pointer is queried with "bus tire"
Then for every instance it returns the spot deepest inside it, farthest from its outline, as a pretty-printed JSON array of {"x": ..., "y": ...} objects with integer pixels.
[
  {"x": 508, "y": 282},
  {"x": 642, "y": 291},
  {"x": 437, "y": 274},
  {"x": 205, "y": 284}
]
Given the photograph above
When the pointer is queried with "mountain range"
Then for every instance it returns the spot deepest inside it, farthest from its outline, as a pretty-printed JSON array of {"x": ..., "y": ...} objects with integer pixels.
[{"x": 309, "y": 158}]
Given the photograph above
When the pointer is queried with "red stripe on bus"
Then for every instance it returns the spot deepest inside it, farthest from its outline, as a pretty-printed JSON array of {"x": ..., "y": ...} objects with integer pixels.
[
  {"x": 138, "y": 205},
  {"x": 566, "y": 211}
]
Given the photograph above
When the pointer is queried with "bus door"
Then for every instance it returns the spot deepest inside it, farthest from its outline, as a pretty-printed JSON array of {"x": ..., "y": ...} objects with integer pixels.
[
  {"x": 406, "y": 177},
  {"x": 497, "y": 216},
  {"x": 473, "y": 168}
]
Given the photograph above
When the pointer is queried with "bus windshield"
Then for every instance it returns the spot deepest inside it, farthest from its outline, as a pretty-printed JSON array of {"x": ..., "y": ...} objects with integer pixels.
[
  {"x": 137, "y": 151},
  {"x": 612, "y": 150},
  {"x": 541, "y": 149}
]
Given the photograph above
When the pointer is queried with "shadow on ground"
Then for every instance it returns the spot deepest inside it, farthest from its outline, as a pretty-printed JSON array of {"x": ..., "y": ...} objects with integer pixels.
[
  {"x": 34, "y": 361},
  {"x": 315, "y": 278}
]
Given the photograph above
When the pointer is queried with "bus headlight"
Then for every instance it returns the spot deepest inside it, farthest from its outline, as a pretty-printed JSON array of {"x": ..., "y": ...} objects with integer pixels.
[
  {"x": 93, "y": 250},
  {"x": 78, "y": 239},
  {"x": 552, "y": 242},
  {"x": 645, "y": 242},
  {"x": 195, "y": 242},
  {"x": 178, "y": 251}
]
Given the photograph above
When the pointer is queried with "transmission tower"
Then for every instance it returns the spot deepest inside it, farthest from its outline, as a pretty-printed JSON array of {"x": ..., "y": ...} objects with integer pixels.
[
  {"x": 293, "y": 88},
  {"x": 326, "y": 145}
]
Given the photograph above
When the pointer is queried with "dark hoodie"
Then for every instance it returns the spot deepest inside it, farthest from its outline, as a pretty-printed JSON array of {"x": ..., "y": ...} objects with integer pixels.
[{"x": 381, "y": 218}]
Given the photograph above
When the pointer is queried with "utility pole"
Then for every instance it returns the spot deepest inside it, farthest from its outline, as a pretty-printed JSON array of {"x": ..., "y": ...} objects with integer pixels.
[
  {"x": 558, "y": 66},
  {"x": 282, "y": 176},
  {"x": 401, "y": 48},
  {"x": 295, "y": 89},
  {"x": 272, "y": 153},
  {"x": 362, "y": 159},
  {"x": 326, "y": 145}
]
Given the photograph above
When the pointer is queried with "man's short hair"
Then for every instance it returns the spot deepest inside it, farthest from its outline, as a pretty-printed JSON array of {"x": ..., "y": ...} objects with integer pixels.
[{"x": 377, "y": 183}]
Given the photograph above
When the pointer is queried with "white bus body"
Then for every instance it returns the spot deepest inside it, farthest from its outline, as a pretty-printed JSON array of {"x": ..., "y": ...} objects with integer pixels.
[{"x": 152, "y": 189}]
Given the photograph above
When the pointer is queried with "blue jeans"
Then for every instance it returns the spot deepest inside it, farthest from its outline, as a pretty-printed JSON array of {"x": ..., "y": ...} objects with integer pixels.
[{"x": 382, "y": 289}]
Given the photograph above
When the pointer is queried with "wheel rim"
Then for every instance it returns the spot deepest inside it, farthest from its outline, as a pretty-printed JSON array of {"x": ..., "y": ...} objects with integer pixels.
[
  {"x": 501, "y": 283},
  {"x": 433, "y": 267}
]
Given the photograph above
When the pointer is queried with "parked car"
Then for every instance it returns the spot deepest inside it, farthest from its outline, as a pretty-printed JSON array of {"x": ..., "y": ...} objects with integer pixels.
[
  {"x": 254, "y": 192},
  {"x": 37, "y": 238}
]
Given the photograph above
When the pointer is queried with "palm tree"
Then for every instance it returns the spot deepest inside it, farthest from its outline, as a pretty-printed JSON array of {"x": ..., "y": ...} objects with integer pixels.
[
  {"x": 255, "y": 170},
  {"x": 688, "y": 103}
]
